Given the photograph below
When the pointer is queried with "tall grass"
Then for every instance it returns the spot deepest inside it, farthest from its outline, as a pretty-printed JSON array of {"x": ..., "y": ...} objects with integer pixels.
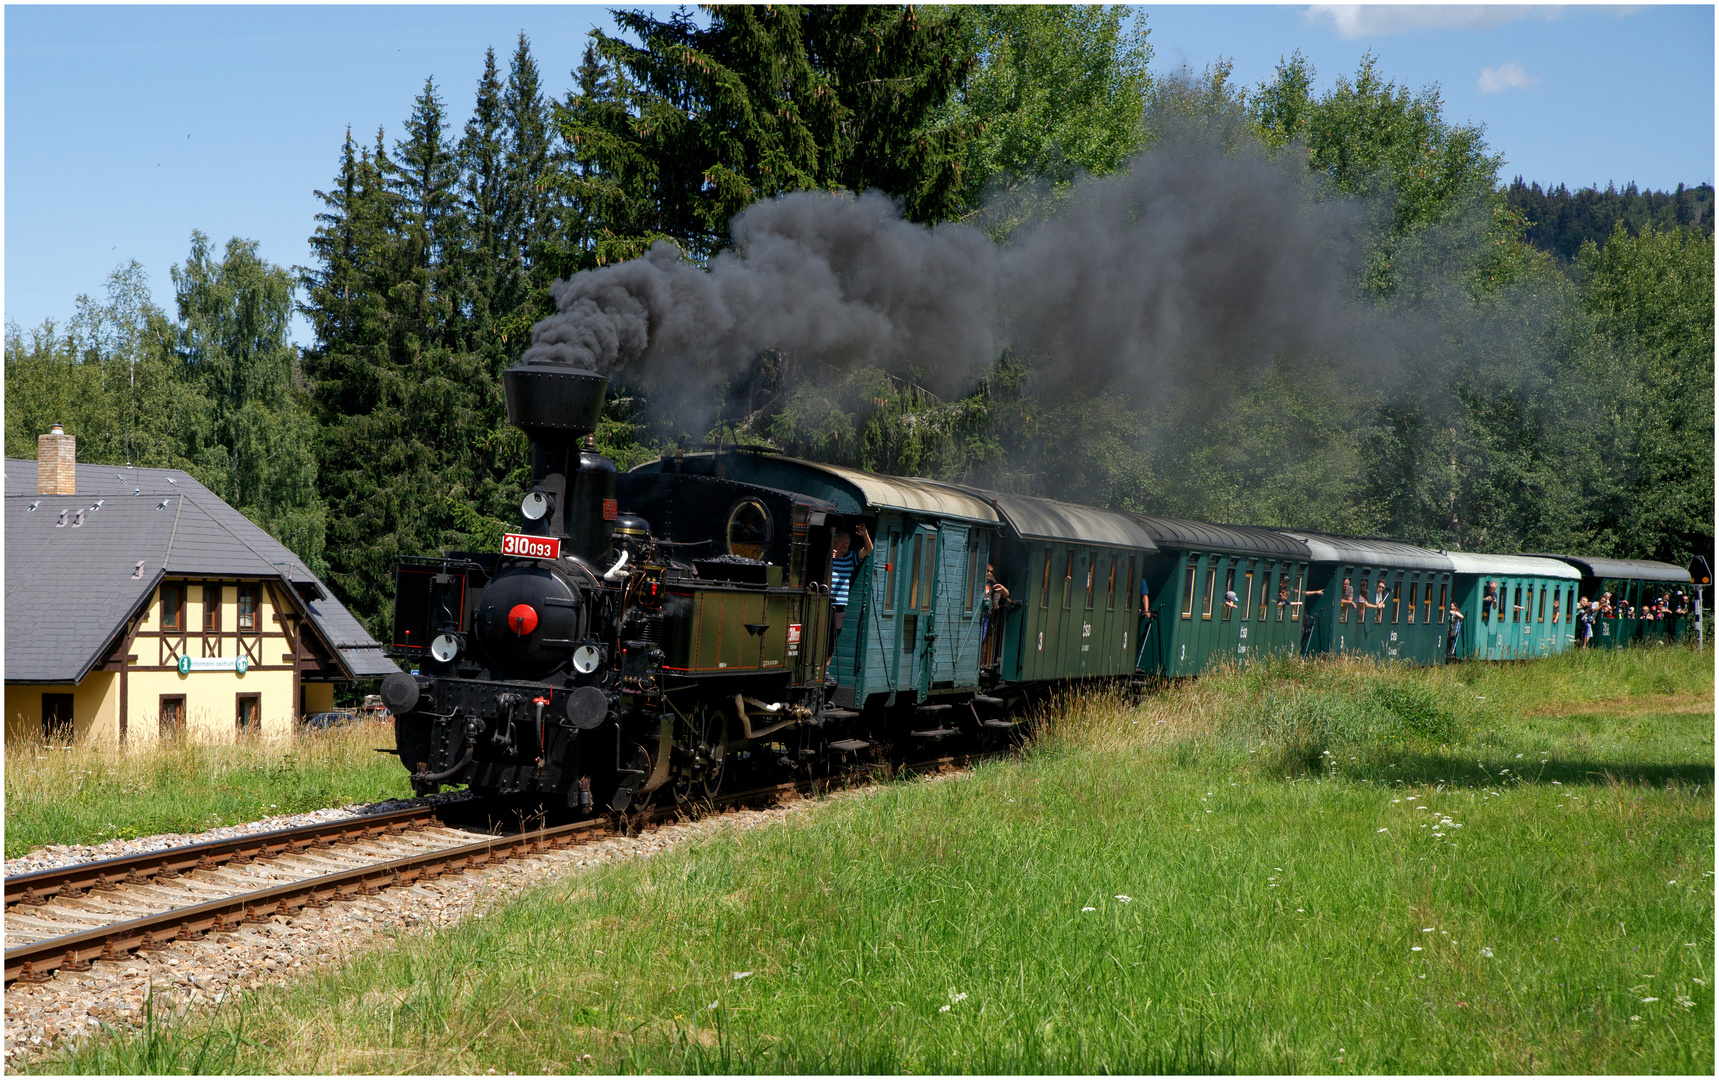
[
  {"x": 89, "y": 792},
  {"x": 1300, "y": 867}
]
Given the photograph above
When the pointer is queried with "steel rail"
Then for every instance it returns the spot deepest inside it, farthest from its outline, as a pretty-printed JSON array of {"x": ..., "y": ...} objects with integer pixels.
[
  {"x": 38, "y": 961},
  {"x": 43, "y": 885}
]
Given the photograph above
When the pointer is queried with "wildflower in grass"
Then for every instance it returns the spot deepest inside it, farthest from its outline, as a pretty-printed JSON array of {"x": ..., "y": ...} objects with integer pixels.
[
  {"x": 1089, "y": 909},
  {"x": 742, "y": 975},
  {"x": 1415, "y": 948},
  {"x": 1648, "y": 1000},
  {"x": 1384, "y": 830},
  {"x": 1486, "y": 951},
  {"x": 942, "y": 1008},
  {"x": 1125, "y": 899},
  {"x": 1633, "y": 1019},
  {"x": 1426, "y": 929},
  {"x": 956, "y": 999}
]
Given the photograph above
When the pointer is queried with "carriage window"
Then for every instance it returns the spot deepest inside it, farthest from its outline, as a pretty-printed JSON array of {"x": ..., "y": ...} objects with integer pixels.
[
  {"x": 930, "y": 569},
  {"x": 967, "y": 579},
  {"x": 1211, "y": 587},
  {"x": 1426, "y": 605},
  {"x": 1543, "y": 592},
  {"x": 1110, "y": 605},
  {"x": 1188, "y": 592},
  {"x": 1414, "y": 586},
  {"x": 1229, "y": 590},
  {"x": 748, "y": 529},
  {"x": 1264, "y": 592},
  {"x": 1443, "y": 607},
  {"x": 891, "y": 546},
  {"x": 1295, "y": 605},
  {"x": 1246, "y": 594},
  {"x": 1068, "y": 582},
  {"x": 1091, "y": 573},
  {"x": 913, "y": 579},
  {"x": 1044, "y": 590},
  {"x": 1516, "y": 608},
  {"x": 1570, "y": 601},
  {"x": 1396, "y": 602}
]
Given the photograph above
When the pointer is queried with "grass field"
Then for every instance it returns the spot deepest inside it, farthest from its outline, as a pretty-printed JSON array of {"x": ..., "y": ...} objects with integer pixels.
[
  {"x": 89, "y": 793},
  {"x": 1323, "y": 867}
]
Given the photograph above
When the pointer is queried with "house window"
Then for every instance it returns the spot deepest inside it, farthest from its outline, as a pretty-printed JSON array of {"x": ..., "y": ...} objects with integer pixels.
[
  {"x": 172, "y": 715},
  {"x": 172, "y": 607},
  {"x": 211, "y": 609},
  {"x": 248, "y": 712},
  {"x": 57, "y": 718},
  {"x": 247, "y": 607}
]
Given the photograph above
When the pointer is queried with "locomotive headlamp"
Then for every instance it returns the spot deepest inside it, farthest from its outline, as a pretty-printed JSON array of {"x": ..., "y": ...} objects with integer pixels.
[
  {"x": 445, "y": 647},
  {"x": 535, "y": 506},
  {"x": 586, "y": 659}
]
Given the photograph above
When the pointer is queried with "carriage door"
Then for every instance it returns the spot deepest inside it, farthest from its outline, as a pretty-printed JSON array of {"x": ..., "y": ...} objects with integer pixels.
[
  {"x": 960, "y": 591},
  {"x": 919, "y": 637}
]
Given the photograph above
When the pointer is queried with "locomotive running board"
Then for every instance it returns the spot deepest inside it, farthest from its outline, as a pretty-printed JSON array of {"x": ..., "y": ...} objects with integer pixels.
[{"x": 746, "y": 721}]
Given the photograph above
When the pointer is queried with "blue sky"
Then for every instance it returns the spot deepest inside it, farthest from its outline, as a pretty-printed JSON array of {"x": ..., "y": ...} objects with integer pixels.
[{"x": 128, "y": 127}]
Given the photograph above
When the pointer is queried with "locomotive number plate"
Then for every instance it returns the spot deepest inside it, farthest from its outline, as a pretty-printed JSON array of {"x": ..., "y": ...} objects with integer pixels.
[{"x": 532, "y": 547}]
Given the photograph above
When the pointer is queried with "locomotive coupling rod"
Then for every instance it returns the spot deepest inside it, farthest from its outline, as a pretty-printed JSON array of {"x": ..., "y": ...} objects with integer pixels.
[{"x": 746, "y": 727}]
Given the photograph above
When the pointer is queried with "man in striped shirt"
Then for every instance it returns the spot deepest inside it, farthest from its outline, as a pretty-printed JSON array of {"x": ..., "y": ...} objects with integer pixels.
[{"x": 843, "y": 562}]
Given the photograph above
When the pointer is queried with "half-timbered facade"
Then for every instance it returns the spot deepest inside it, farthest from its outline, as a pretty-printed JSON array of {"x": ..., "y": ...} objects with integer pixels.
[{"x": 139, "y": 604}]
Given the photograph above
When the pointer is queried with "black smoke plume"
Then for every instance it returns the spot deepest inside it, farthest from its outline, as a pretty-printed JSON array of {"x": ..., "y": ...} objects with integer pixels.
[{"x": 1193, "y": 264}]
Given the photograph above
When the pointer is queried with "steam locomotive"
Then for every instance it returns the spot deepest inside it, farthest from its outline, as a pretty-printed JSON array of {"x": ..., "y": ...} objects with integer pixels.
[
  {"x": 667, "y": 632},
  {"x": 567, "y": 665}
]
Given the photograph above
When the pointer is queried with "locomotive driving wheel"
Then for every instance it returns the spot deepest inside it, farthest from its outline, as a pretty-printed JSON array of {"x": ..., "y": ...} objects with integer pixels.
[{"x": 700, "y": 761}]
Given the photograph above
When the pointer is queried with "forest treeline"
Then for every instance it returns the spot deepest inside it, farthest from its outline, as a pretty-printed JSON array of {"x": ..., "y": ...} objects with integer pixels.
[{"x": 1570, "y": 408}]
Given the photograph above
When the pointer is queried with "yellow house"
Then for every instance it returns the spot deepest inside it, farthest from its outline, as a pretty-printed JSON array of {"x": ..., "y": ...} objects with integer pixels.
[{"x": 139, "y": 604}]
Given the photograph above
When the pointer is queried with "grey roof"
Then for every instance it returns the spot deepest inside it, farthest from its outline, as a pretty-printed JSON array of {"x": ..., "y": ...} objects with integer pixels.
[
  {"x": 1625, "y": 569},
  {"x": 70, "y": 589},
  {"x": 1370, "y": 552},
  {"x": 852, "y": 491},
  {"x": 1183, "y": 534},
  {"x": 1469, "y": 562},
  {"x": 1051, "y": 519}
]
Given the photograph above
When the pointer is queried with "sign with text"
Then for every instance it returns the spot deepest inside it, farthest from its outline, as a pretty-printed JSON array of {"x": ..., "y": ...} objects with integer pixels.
[
  {"x": 531, "y": 547},
  {"x": 189, "y": 664}
]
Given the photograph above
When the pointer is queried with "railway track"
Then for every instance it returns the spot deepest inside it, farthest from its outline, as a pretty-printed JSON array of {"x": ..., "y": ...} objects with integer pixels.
[{"x": 66, "y": 918}]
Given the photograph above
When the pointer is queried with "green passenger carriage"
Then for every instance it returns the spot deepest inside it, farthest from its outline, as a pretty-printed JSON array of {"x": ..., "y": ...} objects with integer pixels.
[
  {"x": 1196, "y": 566},
  {"x": 1513, "y": 606},
  {"x": 1406, "y": 591},
  {"x": 1073, "y": 576},
  {"x": 1636, "y": 583}
]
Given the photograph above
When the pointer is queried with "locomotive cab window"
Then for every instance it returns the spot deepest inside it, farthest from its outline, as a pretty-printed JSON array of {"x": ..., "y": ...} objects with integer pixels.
[{"x": 748, "y": 529}]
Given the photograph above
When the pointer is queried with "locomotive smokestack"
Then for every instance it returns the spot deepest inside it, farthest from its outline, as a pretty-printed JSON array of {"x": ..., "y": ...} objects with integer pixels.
[{"x": 557, "y": 405}]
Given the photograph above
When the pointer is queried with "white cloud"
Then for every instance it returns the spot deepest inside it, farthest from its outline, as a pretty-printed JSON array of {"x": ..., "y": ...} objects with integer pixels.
[
  {"x": 1506, "y": 76},
  {"x": 1377, "y": 20}
]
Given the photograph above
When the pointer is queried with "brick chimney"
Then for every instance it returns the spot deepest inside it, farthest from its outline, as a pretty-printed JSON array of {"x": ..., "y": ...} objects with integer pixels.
[{"x": 56, "y": 463}]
